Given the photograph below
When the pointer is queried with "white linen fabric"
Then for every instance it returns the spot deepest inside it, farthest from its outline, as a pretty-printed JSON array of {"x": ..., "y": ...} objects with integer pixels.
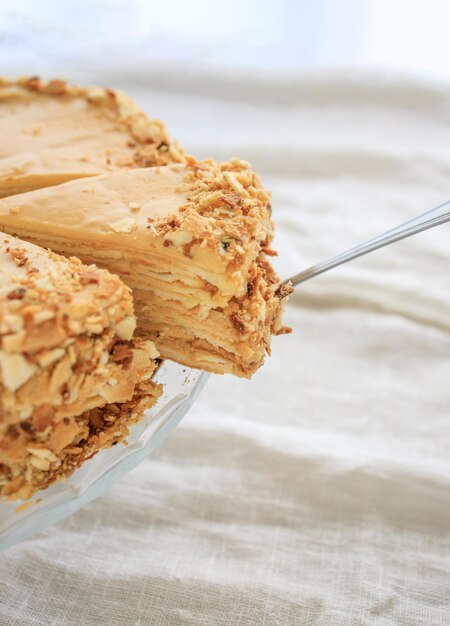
[{"x": 317, "y": 493}]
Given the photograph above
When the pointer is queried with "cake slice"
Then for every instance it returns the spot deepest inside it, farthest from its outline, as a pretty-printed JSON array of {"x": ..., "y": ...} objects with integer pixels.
[
  {"x": 52, "y": 132},
  {"x": 192, "y": 240},
  {"x": 72, "y": 378}
]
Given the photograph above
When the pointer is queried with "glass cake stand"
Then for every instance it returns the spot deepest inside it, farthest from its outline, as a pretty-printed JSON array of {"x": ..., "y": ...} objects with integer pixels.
[{"x": 20, "y": 520}]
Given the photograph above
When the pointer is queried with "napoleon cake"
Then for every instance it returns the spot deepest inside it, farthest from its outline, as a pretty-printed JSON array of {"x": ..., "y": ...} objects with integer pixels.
[
  {"x": 72, "y": 377},
  {"x": 192, "y": 240},
  {"x": 52, "y": 132}
]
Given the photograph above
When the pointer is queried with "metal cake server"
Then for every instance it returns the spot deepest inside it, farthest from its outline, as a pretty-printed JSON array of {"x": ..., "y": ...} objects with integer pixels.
[{"x": 429, "y": 219}]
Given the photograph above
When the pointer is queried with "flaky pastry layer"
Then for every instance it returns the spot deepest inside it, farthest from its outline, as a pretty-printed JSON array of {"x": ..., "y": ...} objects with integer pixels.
[{"x": 233, "y": 339}]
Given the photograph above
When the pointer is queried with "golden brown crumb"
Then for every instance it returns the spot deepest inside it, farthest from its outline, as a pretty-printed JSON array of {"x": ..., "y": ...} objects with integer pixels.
[
  {"x": 32, "y": 459},
  {"x": 226, "y": 205}
]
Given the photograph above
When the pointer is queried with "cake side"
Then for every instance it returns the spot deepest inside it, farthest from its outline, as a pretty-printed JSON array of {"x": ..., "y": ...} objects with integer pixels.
[
  {"x": 32, "y": 459},
  {"x": 232, "y": 339},
  {"x": 66, "y": 352}
]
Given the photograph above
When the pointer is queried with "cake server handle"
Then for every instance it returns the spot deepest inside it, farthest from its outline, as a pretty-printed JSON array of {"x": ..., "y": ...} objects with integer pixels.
[{"x": 429, "y": 219}]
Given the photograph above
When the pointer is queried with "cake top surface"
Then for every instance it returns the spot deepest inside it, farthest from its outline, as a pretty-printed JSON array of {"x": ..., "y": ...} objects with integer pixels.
[
  {"x": 54, "y": 128},
  {"x": 45, "y": 298}
]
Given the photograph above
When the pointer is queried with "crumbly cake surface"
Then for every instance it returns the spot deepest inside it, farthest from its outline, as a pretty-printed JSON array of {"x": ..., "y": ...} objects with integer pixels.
[
  {"x": 66, "y": 351},
  {"x": 52, "y": 132},
  {"x": 32, "y": 457},
  {"x": 192, "y": 240}
]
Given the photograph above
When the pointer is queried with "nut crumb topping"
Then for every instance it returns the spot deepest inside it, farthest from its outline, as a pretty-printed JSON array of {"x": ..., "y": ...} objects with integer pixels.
[
  {"x": 227, "y": 208},
  {"x": 37, "y": 452}
]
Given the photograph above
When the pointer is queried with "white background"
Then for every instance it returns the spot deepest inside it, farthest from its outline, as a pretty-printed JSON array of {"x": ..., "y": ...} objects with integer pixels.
[{"x": 286, "y": 35}]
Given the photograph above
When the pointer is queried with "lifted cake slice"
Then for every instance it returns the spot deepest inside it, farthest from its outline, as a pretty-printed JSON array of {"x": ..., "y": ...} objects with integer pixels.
[
  {"x": 191, "y": 240},
  {"x": 72, "y": 378}
]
